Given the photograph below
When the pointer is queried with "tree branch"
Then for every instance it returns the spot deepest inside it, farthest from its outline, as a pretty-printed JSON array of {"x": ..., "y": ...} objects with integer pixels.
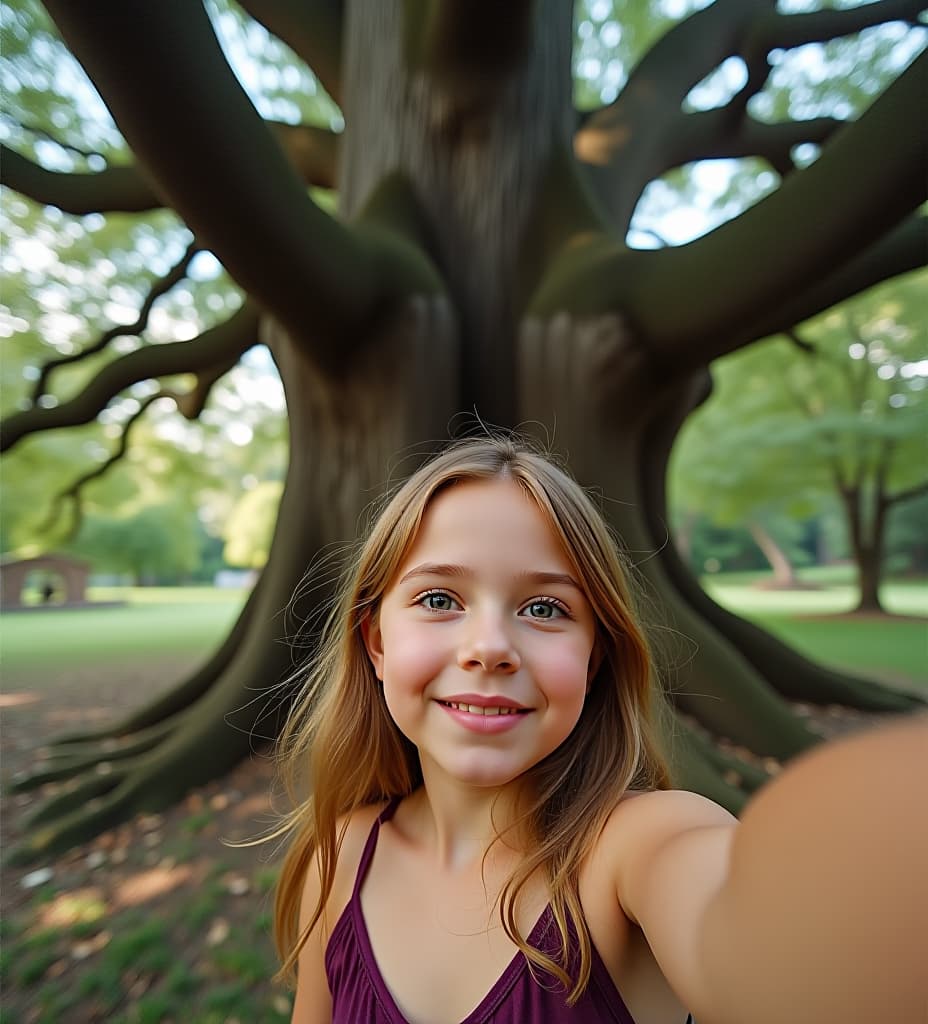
[
  {"x": 633, "y": 131},
  {"x": 44, "y": 133},
  {"x": 219, "y": 166},
  {"x": 311, "y": 28},
  {"x": 871, "y": 175},
  {"x": 716, "y": 135},
  {"x": 73, "y": 492},
  {"x": 214, "y": 346},
  {"x": 116, "y": 189},
  {"x": 806, "y": 347},
  {"x": 785, "y": 31},
  {"x": 692, "y": 303},
  {"x": 911, "y": 492},
  {"x": 160, "y": 287},
  {"x": 899, "y": 251},
  {"x": 192, "y": 402},
  {"x": 124, "y": 188}
]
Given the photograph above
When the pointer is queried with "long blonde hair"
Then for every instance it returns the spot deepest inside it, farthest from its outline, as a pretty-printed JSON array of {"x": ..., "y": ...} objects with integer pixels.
[{"x": 342, "y": 731}]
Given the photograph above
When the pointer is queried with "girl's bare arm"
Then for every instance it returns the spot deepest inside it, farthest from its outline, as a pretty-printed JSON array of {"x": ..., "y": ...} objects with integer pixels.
[
  {"x": 824, "y": 914},
  {"x": 813, "y": 910}
]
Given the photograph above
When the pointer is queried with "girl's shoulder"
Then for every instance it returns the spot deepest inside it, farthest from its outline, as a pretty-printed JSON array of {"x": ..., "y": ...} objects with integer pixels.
[
  {"x": 659, "y": 860},
  {"x": 673, "y": 806},
  {"x": 647, "y": 823},
  {"x": 312, "y": 1001},
  {"x": 351, "y": 833},
  {"x": 354, "y": 828}
]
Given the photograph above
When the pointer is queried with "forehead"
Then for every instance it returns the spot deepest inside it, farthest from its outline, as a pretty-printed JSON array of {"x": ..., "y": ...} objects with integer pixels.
[{"x": 487, "y": 519}]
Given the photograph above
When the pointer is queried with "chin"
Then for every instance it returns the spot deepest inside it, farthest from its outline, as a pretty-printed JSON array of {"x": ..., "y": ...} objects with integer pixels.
[{"x": 485, "y": 776}]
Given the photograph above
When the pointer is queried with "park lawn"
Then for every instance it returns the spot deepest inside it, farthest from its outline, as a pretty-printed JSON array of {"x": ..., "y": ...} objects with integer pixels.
[
  {"x": 816, "y": 622},
  {"x": 153, "y": 621},
  {"x": 837, "y": 594},
  {"x": 894, "y": 651}
]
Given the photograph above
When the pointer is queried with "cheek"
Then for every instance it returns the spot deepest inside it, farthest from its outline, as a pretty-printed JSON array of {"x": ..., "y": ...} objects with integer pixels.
[
  {"x": 409, "y": 662},
  {"x": 566, "y": 670}
]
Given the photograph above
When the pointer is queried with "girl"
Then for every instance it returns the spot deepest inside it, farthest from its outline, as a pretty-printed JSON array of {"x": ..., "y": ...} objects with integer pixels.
[{"x": 491, "y": 837}]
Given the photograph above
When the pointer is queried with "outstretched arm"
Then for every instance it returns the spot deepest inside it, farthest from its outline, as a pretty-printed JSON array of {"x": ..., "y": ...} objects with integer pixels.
[
  {"x": 824, "y": 913},
  {"x": 814, "y": 909}
]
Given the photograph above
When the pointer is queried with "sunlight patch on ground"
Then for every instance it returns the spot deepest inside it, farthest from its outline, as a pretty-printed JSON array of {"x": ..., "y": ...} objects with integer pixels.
[
  {"x": 146, "y": 885},
  {"x": 13, "y": 700},
  {"x": 70, "y": 908}
]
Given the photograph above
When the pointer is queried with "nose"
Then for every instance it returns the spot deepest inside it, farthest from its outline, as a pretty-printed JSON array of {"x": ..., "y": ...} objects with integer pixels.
[{"x": 487, "y": 645}]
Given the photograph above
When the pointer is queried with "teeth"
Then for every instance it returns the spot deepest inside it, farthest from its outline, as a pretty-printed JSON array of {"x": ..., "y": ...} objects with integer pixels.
[{"x": 475, "y": 709}]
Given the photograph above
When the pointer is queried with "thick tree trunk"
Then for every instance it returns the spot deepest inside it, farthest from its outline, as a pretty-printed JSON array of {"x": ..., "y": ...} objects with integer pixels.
[{"x": 475, "y": 166}]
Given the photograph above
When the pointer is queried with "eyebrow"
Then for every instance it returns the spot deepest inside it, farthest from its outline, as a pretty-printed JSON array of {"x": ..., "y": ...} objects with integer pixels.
[{"x": 447, "y": 569}]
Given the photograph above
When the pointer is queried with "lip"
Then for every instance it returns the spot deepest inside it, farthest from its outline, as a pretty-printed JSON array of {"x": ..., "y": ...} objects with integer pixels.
[{"x": 486, "y": 725}]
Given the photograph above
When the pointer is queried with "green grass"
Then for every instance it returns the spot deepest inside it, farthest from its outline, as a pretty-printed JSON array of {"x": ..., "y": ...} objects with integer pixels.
[
  {"x": 813, "y": 621},
  {"x": 153, "y": 621},
  {"x": 837, "y": 595},
  {"x": 895, "y": 651},
  {"x": 229, "y": 981}
]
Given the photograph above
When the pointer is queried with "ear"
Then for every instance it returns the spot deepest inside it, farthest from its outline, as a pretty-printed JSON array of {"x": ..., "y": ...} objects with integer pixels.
[{"x": 373, "y": 641}]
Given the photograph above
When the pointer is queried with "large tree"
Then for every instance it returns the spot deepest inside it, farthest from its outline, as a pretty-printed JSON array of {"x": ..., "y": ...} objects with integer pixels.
[{"x": 478, "y": 261}]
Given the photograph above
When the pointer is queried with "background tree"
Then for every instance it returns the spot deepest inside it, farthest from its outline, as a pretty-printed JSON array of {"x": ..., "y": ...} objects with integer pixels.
[
  {"x": 835, "y": 409},
  {"x": 250, "y": 526},
  {"x": 483, "y": 257}
]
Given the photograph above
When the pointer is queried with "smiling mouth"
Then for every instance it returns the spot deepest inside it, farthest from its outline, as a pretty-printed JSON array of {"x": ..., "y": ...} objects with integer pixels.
[{"x": 475, "y": 709}]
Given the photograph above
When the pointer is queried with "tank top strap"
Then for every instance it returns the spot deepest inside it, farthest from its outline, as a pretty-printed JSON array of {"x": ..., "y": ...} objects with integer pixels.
[{"x": 367, "y": 854}]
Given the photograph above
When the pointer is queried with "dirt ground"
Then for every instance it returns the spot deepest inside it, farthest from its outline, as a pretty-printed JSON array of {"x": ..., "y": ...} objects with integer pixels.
[
  {"x": 157, "y": 867},
  {"x": 173, "y": 869}
]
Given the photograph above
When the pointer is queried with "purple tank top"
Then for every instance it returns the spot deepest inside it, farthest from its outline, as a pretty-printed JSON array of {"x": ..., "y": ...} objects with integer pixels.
[{"x": 359, "y": 995}]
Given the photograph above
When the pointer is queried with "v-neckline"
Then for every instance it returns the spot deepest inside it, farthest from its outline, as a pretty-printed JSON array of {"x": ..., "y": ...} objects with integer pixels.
[
  {"x": 355, "y": 913},
  {"x": 496, "y": 994}
]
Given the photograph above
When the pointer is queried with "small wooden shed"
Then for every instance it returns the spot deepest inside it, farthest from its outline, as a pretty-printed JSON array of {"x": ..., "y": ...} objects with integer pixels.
[{"x": 72, "y": 572}]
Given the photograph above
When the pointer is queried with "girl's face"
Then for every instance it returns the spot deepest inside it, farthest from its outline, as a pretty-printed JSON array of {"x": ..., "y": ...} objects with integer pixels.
[{"x": 484, "y": 639}]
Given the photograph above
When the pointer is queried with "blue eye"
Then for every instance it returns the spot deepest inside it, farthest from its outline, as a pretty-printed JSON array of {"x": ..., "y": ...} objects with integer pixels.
[
  {"x": 437, "y": 601},
  {"x": 545, "y": 610}
]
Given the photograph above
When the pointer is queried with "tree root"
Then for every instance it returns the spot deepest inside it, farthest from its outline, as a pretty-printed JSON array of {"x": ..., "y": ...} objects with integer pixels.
[
  {"x": 70, "y": 763},
  {"x": 102, "y": 804},
  {"x": 733, "y": 769},
  {"x": 79, "y": 793},
  {"x": 151, "y": 781},
  {"x": 789, "y": 673}
]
